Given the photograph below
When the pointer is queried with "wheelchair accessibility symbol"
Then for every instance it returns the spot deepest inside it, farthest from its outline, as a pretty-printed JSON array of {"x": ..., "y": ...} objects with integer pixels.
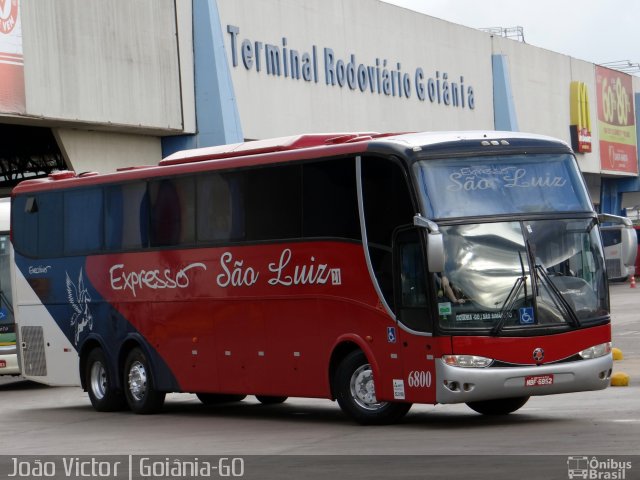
[
  {"x": 526, "y": 316},
  {"x": 391, "y": 334}
]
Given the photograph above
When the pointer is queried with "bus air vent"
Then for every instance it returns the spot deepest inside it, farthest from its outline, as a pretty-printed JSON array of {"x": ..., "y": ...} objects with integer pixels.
[{"x": 32, "y": 344}]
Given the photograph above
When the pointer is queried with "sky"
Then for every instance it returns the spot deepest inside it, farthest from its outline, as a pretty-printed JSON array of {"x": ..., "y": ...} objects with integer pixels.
[{"x": 598, "y": 31}]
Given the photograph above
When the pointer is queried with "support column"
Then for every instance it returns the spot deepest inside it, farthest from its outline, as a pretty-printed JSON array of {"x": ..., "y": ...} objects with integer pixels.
[
  {"x": 504, "y": 111},
  {"x": 217, "y": 117}
]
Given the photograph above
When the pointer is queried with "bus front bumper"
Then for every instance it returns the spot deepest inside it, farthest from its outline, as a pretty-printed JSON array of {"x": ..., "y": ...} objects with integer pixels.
[
  {"x": 9, "y": 364},
  {"x": 461, "y": 385}
]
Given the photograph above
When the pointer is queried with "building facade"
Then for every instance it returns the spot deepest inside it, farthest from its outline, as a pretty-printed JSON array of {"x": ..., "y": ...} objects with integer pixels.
[{"x": 104, "y": 87}]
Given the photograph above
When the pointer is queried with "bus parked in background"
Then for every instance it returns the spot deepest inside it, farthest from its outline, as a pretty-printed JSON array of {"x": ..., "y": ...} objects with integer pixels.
[
  {"x": 8, "y": 353},
  {"x": 637, "y": 230},
  {"x": 620, "y": 246},
  {"x": 375, "y": 270}
]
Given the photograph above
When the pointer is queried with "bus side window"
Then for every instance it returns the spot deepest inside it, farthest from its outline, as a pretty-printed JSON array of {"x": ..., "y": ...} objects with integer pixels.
[
  {"x": 25, "y": 224},
  {"x": 38, "y": 225},
  {"x": 216, "y": 221},
  {"x": 330, "y": 200},
  {"x": 172, "y": 212},
  {"x": 50, "y": 225},
  {"x": 387, "y": 205},
  {"x": 126, "y": 216},
  {"x": 273, "y": 203},
  {"x": 83, "y": 222}
]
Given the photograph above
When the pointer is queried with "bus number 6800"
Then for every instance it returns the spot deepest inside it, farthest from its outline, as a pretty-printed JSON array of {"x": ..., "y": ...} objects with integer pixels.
[{"x": 419, "y": 378}]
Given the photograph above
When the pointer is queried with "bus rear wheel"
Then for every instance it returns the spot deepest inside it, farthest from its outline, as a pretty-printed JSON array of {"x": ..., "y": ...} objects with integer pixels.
[
  {"x": 215, "y": 398},
  {"x": 501, "y": 406},
  {"x": 270, "y": 400},
  {"x": 140, "y": 391},
  {"x": 100, "y": 385},
  {"x": 355, "y": 392}
]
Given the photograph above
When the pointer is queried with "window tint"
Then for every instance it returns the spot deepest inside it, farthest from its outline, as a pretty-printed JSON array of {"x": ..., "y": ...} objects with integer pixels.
[
  {"x": 330, "y": 200},
  {"x": 411, "y": 281},
  {"x": 273, "y": 203},
  {"x": 292, "y": 201},
  {"x": 490, "y": 185},
  {"x": 24, "y": 225},
  {"x": 387, "y": 205},
  {"x": 220, "y": 211},
  {"x": 126, "y": 216},
  {"x": 82, "y": 221},
  {"x": 311, "y": 200},
  {"x": 50, "y": 225},
  {"x": 611, "y": 237},
  {"x": 387, "y": 202},
  {"x": 50, "y": 228},
  {"x": 412, "y": 274},
  {"x": 172, "y": 212},
  {"x": 36, "y": 224}
]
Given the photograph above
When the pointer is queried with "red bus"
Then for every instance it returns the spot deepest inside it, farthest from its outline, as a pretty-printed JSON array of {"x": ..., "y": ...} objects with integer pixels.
[{"x": 375, "y": 270}]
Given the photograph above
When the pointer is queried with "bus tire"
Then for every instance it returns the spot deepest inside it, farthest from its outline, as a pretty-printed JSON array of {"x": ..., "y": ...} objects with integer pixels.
[
  {"x": 501, "y": 406},
  {"x": 355, "y": 393},
  {"x": 270, "y": 400},
  {"x": 140, "y": 391},
  {"x": 100, "y": 385},
  {"x": 215, "y": 398}
]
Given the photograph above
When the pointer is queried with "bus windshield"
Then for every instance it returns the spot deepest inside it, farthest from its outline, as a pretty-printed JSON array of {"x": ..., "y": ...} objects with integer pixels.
[
  {"x": 7, "y": 332},
  {"x": 493, "y": 185},
  {"x": 519, "y": 274}
]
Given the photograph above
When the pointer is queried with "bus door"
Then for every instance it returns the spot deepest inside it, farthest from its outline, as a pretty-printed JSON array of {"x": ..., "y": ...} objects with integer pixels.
[
  {"x": 412, "y": 300},
  {"x": 387, "y": 207}
]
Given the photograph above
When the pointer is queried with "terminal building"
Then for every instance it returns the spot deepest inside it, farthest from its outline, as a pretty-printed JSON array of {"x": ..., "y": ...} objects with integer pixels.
[{"x": 97, "y": 86}]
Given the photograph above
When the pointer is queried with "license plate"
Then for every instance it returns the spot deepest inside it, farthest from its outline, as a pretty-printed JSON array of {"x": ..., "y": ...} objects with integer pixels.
[
  {"x": 538, "y": 380},
  {"x": 3, "y": 364}
]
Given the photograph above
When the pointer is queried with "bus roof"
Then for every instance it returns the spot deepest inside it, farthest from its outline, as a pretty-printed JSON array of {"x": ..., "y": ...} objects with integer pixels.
[
  {"x": 256, "y": 147},
  {"x": 282, "y": 149}
]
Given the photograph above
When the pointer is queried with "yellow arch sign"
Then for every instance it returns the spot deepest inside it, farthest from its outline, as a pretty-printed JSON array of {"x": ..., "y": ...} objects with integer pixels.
[{"x": 580, "y": 118}]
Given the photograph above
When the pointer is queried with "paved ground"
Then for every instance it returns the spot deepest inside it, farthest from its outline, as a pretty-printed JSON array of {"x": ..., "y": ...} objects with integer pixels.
[{"x": 39, "y": 420}]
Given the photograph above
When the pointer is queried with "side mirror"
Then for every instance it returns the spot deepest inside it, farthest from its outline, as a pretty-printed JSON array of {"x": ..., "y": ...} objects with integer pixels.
[
  {"x": 435, "y": 243},
  {"x": 615, "y": 219}
]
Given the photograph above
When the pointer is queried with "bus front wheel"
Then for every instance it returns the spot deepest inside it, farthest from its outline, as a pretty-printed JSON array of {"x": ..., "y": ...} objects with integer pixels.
[
  {"x": 140, "y": 391},
  {"x": 502, "y": 406},
  {"x": 100, "y": 385},
  {"x": 355, "y": 392}
]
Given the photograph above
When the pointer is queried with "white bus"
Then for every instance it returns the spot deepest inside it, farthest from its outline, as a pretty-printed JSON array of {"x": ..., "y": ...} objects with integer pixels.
[
  {"x": 620, "y": 246},
  {"x": 8, "y": 356}
]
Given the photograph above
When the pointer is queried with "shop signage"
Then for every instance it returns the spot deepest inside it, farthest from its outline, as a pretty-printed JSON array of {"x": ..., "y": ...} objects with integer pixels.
[
  {"x": 580, "y": 118},
  {"x": 12, "y": 98},
  {"x": 616, "y": 121}
]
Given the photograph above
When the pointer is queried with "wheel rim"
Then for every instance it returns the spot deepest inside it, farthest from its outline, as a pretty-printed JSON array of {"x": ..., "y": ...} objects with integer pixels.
[
  {"x": 137, "y": 380},
  {"x": 98, "y": 380},
  {"x": 363, "y": 389}
]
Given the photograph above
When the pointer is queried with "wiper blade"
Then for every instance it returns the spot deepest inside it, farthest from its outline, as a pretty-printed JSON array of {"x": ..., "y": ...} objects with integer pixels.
[
  {"x": 507, "y": 306},
  {"x": 558, "y": 295}
]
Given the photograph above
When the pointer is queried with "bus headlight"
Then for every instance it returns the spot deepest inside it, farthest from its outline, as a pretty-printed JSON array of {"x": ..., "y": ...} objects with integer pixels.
[
  {"x": 467, "y": 361},
  {"x": 596, "y": 351}
]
